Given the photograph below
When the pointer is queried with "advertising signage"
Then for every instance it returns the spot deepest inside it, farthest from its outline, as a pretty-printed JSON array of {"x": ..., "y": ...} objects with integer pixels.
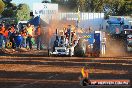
[{"x": 44, "y": 8}]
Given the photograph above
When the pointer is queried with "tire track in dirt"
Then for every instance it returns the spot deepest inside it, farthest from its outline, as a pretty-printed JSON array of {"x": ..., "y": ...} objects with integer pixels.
[{"x": 56, "y": 72}]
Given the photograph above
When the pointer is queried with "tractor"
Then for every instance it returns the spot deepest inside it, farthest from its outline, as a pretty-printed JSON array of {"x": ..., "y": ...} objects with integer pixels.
[{"x": 71, "y": 43}]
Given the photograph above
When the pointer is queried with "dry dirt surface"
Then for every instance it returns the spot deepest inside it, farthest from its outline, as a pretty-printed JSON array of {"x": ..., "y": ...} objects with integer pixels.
[{"x": 60, "y": 72}]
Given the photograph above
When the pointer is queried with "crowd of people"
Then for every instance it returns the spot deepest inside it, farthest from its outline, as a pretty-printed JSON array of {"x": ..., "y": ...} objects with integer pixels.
[{"x": 13, "y": 38}]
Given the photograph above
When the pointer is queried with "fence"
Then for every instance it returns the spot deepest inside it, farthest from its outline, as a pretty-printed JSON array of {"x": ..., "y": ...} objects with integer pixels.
[{"x": 94, "y": 20}]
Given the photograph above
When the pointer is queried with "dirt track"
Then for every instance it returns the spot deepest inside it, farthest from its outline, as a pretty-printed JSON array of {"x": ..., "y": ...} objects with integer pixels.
[{"x": 59, "y": 72}]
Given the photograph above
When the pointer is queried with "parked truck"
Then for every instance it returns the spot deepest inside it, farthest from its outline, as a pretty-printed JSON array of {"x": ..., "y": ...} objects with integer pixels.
[
  {"x": 128, "y": 37},
  {"x": 115, "y": 26}
]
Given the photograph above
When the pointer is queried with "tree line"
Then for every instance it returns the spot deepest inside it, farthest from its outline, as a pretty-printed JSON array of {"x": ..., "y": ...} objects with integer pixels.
[
  {"x": 18, "y": 12},
  {"x": 109, "y": 7}
]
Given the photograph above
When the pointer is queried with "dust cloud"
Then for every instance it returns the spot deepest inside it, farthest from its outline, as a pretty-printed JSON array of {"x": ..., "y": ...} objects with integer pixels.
[
  {"x": 50, "y": 29},
  {"x": 115, "y": 47}
]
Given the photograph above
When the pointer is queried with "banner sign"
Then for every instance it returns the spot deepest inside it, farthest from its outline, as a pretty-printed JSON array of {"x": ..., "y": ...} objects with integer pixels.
[{"x": 44, "y": 8}]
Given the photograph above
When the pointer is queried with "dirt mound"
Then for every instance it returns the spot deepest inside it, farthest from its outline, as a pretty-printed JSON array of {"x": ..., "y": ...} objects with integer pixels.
[
  {"x": 12, "y": 51},
  {"x": 22, "y": 50},
  {"x": 7, "y": 51}
]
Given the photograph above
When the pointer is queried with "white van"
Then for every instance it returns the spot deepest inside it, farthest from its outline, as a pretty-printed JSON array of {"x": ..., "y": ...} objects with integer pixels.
[{"x": 21, "y": 25}]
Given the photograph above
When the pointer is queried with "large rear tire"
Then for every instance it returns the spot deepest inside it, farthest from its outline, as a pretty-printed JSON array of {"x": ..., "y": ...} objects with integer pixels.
[
  {"x": 80, "y": 48},
  {"x": 49, "y": 53},
  {"x": 70, "y": 52}
]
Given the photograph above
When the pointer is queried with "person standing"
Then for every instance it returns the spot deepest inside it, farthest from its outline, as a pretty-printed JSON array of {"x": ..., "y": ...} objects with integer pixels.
[
  {"x": 38, "y": 37},
  {"x": 24, "y": 35},
  {"x": 12, "y": 35},
  {"x": 2, "y": 30},
  {"x": 29, "y": 35},
  {"x": 18, "y": 40},
  {"x": 13, "y": 28},
  {"x": 5, "y": 36}
]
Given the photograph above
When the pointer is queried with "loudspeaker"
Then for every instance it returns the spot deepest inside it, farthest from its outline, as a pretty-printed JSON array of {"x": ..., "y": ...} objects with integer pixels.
[{"x": 31, "y": 14}]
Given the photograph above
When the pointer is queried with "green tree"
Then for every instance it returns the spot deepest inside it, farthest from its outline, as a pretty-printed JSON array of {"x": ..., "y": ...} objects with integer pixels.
[
  {"x": 56, "y": 1},
  {"x": 115, "y": 6},
  {"x": 109, "y": 7},
  {"x": 81, "y": 4},
  {"x": 71, "y": 5},
  {"x": 126, "y": 9},
  {"x": 2, "y": 5},
  {"x": 66, "y": 5},
  {"x": 94, "y": 5},
  {"x": 23, "y": 12},
  {"x": 84, "y": 5},
  {"x": 10, "y": 9},
  {"x": 8, "y": 13},
  {"x": 119, "y": 7},
  {"x": 45, "y": 1}
]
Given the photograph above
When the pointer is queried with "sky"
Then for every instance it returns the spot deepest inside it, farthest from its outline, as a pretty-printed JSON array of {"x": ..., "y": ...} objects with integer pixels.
[{"x": 29, "y": 2}]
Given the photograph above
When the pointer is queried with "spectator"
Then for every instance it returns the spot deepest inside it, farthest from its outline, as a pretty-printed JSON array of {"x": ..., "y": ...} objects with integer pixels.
[
  {"x": 5, "y": 36},
  {"x": 12, "y": 35},
  {"x": 2, "y": 29},
  {"x": 24, "y": 35},
  {"x": 38, "y": 37},
  {"x": 29, "y": 35},
  {"x": 18, "y": 40},
  {"x": 13, "y": 28}
]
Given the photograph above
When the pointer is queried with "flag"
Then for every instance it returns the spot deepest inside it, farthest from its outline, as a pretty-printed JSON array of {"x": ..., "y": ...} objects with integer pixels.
[{"x": 78, "y": 14}]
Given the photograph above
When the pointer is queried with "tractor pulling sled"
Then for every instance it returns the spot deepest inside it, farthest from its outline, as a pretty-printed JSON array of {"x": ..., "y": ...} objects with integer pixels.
[{"x": 69, "y": 42}]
